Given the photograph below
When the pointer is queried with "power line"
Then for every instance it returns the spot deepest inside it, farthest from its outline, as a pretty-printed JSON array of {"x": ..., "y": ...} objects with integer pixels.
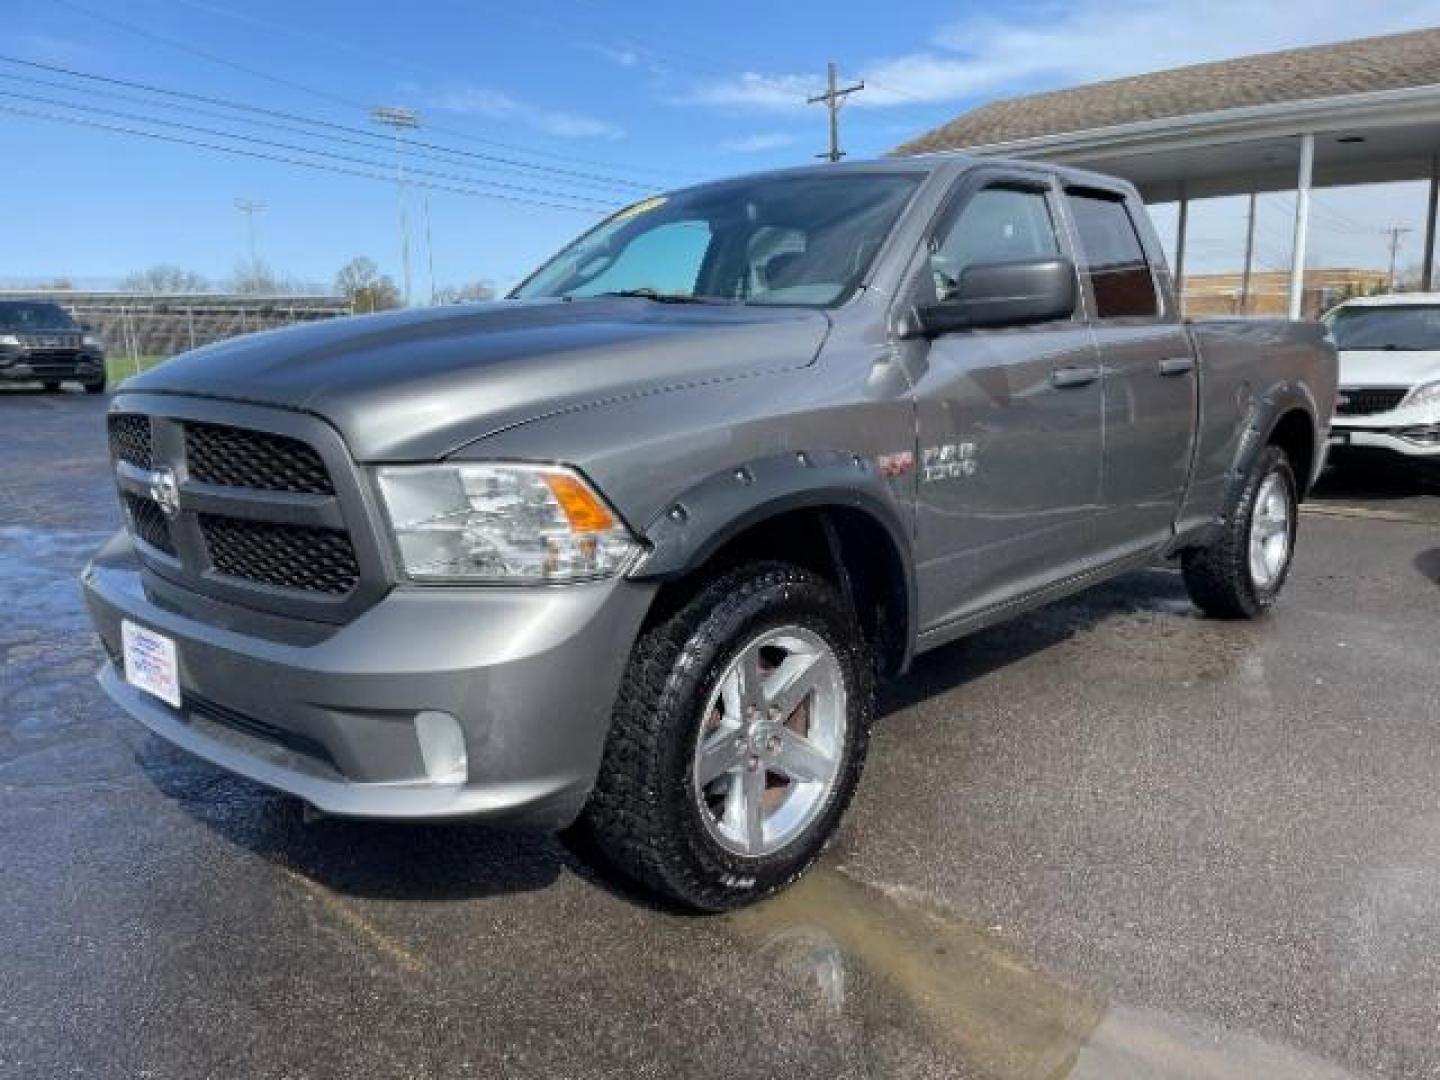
[
  {"x": 260, "y": 156},
  {"x": 328, "y": 125},
  {"x": 370, "y": 140},
  {"x": 291, "y": 84},
  {"x": 295, "y": 148}
]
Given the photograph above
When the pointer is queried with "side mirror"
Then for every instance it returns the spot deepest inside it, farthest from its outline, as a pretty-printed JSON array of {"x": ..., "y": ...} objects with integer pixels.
[{"x": 1005, "y": 294}]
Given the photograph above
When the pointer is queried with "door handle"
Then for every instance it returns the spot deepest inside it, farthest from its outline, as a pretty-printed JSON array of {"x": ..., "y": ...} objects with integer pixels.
[
  {"x": 1066, "y": 377},
  {"x": 1177, "y": 365}
]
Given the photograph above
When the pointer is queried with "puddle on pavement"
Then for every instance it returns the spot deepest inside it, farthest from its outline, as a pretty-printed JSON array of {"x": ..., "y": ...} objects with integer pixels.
[{"x": 889, "y": 963}]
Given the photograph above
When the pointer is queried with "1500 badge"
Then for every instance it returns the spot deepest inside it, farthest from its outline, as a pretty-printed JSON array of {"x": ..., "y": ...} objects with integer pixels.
[{"x": 949, "y": 461}]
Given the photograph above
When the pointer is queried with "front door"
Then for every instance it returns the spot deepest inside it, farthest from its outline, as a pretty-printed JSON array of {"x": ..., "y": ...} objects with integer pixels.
[{"x": 1008, "y": 419}]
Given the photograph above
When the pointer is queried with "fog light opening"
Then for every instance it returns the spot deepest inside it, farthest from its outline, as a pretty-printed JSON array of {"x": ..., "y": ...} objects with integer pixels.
[{"x": 442, "y": 747}]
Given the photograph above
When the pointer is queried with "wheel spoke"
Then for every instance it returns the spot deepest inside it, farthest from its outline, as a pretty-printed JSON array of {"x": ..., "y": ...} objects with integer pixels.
[
  {"x": 751, "y": 682},
  {"x": 752, "y": 787},
  {"x": 801, "y": 760},
  {"x": 791, "y": 683},
  {"x": 720, "y": 754}
]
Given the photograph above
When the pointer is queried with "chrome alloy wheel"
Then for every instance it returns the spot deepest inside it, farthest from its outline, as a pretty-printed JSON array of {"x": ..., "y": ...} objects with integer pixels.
[
  {"x": 771, "y": 740},
  {"x": 1270, "y": 532}
]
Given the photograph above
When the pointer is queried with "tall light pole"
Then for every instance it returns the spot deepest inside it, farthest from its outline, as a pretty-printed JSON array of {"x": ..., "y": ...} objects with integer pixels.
[
  {"x": 400, "y": 120},
  {"x": 251, "y": 207}
]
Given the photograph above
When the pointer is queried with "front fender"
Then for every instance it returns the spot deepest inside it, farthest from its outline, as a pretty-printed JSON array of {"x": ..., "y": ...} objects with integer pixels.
[
  {"x": 698, "y": 523},
  {"x": 703, "y": 519}
]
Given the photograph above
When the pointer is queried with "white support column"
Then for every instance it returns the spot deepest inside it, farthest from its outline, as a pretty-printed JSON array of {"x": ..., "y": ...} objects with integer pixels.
[
  {"x": 1182, "y": 229},
  {"x": 1427, "y": 275},
  {"x": 1302, "y": 224}
]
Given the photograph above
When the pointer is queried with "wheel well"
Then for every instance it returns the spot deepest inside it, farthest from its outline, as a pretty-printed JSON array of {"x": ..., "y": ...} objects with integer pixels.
[
  {"x": 1295, "y": 435},
  {"x": 847, "y": 547}
]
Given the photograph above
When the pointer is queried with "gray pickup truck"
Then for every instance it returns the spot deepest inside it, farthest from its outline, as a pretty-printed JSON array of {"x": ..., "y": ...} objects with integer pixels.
[{"x": 627, "y": 551}]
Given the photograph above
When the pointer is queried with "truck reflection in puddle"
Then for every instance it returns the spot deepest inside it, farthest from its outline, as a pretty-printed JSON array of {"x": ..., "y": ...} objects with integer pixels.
[{"x": 901, "y": 973}]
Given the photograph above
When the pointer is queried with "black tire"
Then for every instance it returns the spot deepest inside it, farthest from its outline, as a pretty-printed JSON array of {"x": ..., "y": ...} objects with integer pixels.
[
  {"x": 643, "y": 817},
  {"x": 97, "y": 387},
  {"x": 1218, "y": 577},
  {"x": 51, "y": 386}
]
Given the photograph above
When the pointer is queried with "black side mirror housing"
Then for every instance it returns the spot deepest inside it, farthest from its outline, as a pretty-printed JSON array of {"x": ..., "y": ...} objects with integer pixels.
[{"x": 1005, "y": 294}]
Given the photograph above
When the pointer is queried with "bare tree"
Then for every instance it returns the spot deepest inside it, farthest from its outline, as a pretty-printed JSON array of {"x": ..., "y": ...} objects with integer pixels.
[
  {"x": 367, "y": 289},
  {"x": 164, "y": 278}
]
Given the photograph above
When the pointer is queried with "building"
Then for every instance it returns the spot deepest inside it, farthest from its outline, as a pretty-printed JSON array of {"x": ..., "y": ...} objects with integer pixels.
[
  {"x": 1267, "y": 292},
  {"x": 1350, "y": 113}
]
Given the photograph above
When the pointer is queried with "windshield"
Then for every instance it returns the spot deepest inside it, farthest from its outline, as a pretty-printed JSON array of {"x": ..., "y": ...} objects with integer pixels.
[
  {"x": 800, "y": 240},
  {"x": 1412, "y": 327},
  {"x": 16, "y": 315}
]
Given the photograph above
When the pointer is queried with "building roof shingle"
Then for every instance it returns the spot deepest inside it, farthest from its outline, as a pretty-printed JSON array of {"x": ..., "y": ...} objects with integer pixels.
[{"x": 1392, "y": 62}]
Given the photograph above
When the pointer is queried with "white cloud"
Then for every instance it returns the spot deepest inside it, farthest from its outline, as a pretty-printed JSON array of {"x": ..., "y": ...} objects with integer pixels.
[
  {"x": 755, "y": 144},
  {"x": 498, "y": 105},
  {"x": 1051, "y": 45}
]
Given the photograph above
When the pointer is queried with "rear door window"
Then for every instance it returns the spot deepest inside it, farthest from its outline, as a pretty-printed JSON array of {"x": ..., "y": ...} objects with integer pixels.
[{"x": 1112, "y": 258}]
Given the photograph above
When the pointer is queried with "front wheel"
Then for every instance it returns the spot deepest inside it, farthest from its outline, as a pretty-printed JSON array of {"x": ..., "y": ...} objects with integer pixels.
[
  {"x": 1239, "y": 575},
  {"x": 96, "y": 387},
  {"x": 737, "y": 741}
]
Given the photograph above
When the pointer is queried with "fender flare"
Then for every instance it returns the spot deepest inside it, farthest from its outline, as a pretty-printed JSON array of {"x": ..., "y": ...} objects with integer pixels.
[
  {"x": 1266, "y": 412},
  {"x": 700, "y": 521}
]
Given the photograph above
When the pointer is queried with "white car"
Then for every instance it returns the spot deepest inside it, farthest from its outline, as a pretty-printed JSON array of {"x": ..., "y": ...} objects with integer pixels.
[{"x": 1389, "y": 373}]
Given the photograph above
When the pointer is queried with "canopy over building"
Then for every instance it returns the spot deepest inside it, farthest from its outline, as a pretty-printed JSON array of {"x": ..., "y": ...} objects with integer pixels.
[{"x": 1351, "y": 113}]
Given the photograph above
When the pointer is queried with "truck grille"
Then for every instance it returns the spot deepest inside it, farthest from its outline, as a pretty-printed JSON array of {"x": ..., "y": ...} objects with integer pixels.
[
  {"x": 130, "y": 439},
  {"x": 52, "y": 361},
  {"x": 235, "y": 457},
  {"x": 1365, "y": 401},
  {"x": 272, "y": 519},
  {"x": 147, "y": 522},
  {"x": 285, "y": 556}
]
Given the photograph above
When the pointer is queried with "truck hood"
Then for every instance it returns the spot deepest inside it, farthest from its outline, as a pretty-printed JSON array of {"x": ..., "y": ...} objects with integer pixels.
[
  {"x": 1388, "y": 367},
  {"x": 418, "y": 385}
]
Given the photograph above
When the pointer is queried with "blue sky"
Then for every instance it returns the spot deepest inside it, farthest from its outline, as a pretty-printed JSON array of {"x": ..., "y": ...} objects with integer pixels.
[{"x": 582, "y": 99}]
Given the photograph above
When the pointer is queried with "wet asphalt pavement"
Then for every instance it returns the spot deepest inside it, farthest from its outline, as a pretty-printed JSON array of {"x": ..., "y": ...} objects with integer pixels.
[{"x": 1111, "y": 839}]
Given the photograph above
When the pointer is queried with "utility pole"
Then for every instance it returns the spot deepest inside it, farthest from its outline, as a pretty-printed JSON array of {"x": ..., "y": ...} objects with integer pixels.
[
  {"x": 1395, "y": 231},
  {"x": 1249, "y": 257},
  {"x": 400, "y": 120},
  {"x": 251, "y": 207},
  {"x": 833, "y": 98}
]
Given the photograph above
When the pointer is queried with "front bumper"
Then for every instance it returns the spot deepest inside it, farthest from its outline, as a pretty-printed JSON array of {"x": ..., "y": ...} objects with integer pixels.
[
  {"x": 329, "y": 714},
  {"x": 84, "y": 365},
  {"x": 1400, "y": 440}
]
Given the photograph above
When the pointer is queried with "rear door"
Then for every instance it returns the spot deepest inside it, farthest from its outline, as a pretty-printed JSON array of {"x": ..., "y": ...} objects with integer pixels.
[
  {"x": 1150, "y": 377},
  {"x": 1008, "y": 418}
]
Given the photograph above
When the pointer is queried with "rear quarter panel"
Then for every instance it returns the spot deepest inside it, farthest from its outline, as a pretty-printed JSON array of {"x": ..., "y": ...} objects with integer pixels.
[{"x": 1253, "y": 372}]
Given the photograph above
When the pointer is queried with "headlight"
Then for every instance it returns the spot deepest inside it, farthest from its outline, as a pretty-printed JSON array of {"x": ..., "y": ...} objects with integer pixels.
[
  {"x": 502, "y": 523},
  {"x": 1424, "y": 394},
  {"x": 9, "y": 339},
  {"x": 92, "y": 341}
]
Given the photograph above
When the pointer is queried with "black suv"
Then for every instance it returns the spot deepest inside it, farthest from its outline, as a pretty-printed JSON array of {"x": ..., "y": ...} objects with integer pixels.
[{"x": 40, "y": 342}]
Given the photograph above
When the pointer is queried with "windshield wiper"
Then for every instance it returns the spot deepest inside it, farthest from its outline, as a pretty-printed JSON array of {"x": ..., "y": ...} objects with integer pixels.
[{"x": 666, "y": 298}]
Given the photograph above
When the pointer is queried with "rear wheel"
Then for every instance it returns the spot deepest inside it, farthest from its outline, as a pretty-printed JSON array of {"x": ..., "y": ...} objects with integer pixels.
[
  {"x": 51, "y": 385},
  {"x": 738, "y": 739},
  {"x": 96, "y": 387},
  {"x": 1241, "y": 573}
]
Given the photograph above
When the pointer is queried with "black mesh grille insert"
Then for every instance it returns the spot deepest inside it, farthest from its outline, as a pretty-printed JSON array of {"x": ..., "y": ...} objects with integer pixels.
[
  {"x": 130, "y": 439},
  {"x": 234, "y": 457},
  {"x": 287, "y": 556},
  {"x": 147, "y": 521},
  {"x": 1366, "y": 402}
]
